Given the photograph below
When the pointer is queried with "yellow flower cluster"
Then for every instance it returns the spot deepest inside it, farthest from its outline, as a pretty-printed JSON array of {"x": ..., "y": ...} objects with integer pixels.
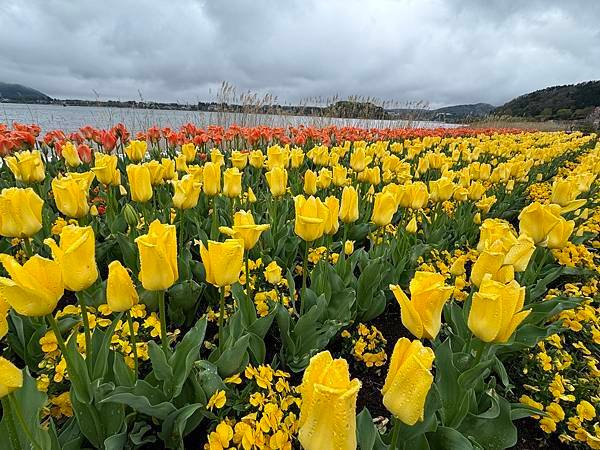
[{"x": 367, "y": 345}]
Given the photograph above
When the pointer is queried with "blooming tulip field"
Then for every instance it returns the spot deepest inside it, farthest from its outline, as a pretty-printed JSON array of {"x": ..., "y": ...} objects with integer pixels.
[{"x": 324, "y": 289}]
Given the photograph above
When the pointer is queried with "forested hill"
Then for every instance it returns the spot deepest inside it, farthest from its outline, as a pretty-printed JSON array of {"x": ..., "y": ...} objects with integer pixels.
[
  {"x": 571, "y": 101},
  {"x": 18, "y": 92}
]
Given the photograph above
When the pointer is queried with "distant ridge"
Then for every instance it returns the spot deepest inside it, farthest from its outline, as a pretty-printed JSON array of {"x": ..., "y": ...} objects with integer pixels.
[
  {"x": 18, "y": 92},
  {"x": 566, "y": 102},
  {"x": 447, "y": 113}
]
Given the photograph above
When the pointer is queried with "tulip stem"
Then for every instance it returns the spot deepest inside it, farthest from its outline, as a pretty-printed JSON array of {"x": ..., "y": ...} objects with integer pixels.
[
  {"x": 221, "y": 314},
  {"x": 17, "y": 410},
  {"x": 395, "y": 434},
  {"x": 27, "y": 247},
  {"x": 86, "y": 328},
  {"x": 59, "y": 339},
  {"x": 304, "y": 274},
  {"x": 163, "y": 322},
  {"x": 133, "y": 343},
  {"x": 248, "y": 293}
]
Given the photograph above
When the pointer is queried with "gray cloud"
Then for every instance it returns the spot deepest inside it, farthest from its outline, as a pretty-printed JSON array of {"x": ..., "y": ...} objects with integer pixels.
[{"x": 441, "y": 51}]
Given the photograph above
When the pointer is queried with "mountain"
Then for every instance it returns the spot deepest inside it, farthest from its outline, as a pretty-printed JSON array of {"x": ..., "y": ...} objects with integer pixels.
[
  {"x": 456, "y": 113},
  {"x": 566, "y": 102},
  {"x": 21, "y": 93}
]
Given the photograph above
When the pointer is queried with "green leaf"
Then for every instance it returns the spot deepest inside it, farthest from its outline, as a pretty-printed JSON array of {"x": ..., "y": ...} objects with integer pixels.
[
  {"x": 367, "y": 435},
  {"x": 179, "y": 423},
  {"x": 448, "y": 439},
  {"x": 143, "y": 398},
  {"x": 234, "y": 358},
  {"x": 186, "y": 352},
  {"x": 101, "y": 351}
]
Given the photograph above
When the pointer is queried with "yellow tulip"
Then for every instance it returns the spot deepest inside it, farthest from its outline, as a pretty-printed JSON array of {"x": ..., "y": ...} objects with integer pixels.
[
  {"x": 412, "y": 226},
  {"x": 70, "y": 154},
  {"x": 310, "y": 182},
  {"x": 415, "y": 195},
  {"x": 384, "y": 209},
  {"x": 35, "y": 288},
  {"x": 476, "y": 191},
  {"x": 565, "y": 193},
  {"x": 319, "y": 155},
  {"x": 140, "y": 182},
  {"x": 422, "y": 314},
  {"x": 276, "y": 157},
  {"x": 20, "y": 212},
  {"x": 168, "y": 168},
  {"x": 232, "y": 182},
  {"x": 311, "y": 215},
  {"x": 492, "y": 230},
  {"x": 157, "y": 172},
  {"x": 76, "y": 256},
  {"x": 189, "y": 151},
  {"x": 297, "y": 157},
  {"x": 408, "y": 381},
  {"x": 120, "y": 290},
  {"x": 212, "y": 179},
  {"x": 491, "y": 261},
  {"x": 106, "y": 170},
  {"x": 216, "y": 157},
  {"x": 520, "y": 253},
  {"x": 71, "y": 193},
  {"x": 328, "y": 409},
  {"x": 359, "y": 159},
  {"x": 26, "y": 166},
  {"x": 222, "y": 261},
  {"x": 373, "y": 175},
  {"x": 257, "y": 159},
  {"x": 158, "y": 257},
  {"x": 349, "y": 205},
  {"x": 349, "y": 247},
  {"x": 496, "y": 310},
  {"x": 545, "y": 225},
  {"x": 4, "y": 308},
  {"x": 187, "y": 191},
  {"x": 277, "y": 179},
  {"x": 332, "y": 224},
  {"x": 136, "y": 150},
  {"x": 195, "y": 171},
  {"x": 181, "y": 163},
  {"x": 324, "y": 178},
  {"x": 239, "y": 159},
  {"x": 11, "y": 377},
  {"x": 340, "y": 175},
  {"x": 245, "y": 229},
  {"x": 273, "y": 273}
]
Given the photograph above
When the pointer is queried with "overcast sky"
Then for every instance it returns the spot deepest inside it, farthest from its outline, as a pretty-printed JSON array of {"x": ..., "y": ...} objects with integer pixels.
[{"x": 440, "y": 51}]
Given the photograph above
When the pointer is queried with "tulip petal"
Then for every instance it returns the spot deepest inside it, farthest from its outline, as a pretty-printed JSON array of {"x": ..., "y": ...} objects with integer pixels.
[{"x": 485, "y": 316}]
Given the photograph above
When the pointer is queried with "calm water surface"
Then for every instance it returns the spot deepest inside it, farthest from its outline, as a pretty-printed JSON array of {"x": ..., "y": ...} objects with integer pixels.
[{"x": 71, "y": 118}]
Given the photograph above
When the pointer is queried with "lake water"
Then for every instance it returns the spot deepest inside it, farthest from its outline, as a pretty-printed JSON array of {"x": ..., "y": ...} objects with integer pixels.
[{"x": 71, "y": 118}]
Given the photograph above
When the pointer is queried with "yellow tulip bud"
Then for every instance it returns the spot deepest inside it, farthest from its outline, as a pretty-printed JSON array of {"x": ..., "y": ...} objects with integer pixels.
[
  {"x": 11, "y": 377},
  {"x": 232, "y": 182},
  {"x": 33, "y": 289},
  {"x": 157, "y": 172},
  {"x": 477, "y": 219},
  {"x": 257, "y": 159},
  {"x": 458, "y": 266},
  {"x": 349, "y": 247},
  {"x": 212, "y": 179},
  {"x": 187, "y": 191},
  {"x": 332, "y": 224},
  {"x": 20, "y": 212},
  {"x": 136, "y": 150},
  {"x": 158, "y": 257},
  {"x": 384, "y": 209},
  {"x": 359, "y": 159},
  {"x": 277, "y": 179},
  {"x": 140, "y": 182},
  {"x": 70, "y": 154},
  {"x": 216, "y": 157},
  {"x": 273, "y": 273},
  {"x": 106, "y": 170},
  {"x": 412, "y": 226},
  {"x": 311, "y": 215},
  {"x": 422, "y": 315},
  {"x": 76, "y": 256},
  {"x": 476, "y": 191},
  {"x": 328, "y": 409},
  {"x": 120, "y": 290},
  {"x": 71, "y": 193},
  {"x": 496, "y": 310},
  {"x": 189, "y": 151},
  {"x": 349, "y": 206},
  {"x": 310, "y": 182},
  {"x": 238, "y": 159},
  {"x": 324, "y": 178},
  {"x": 408, "y": 381},
  {"x": 181, "y": 163},
  {"x": 245, "y": 229},
  {"x": 251, "y": 196},
  {"x": 222, "y": 261},
  {"x": 26, "y": 166}
]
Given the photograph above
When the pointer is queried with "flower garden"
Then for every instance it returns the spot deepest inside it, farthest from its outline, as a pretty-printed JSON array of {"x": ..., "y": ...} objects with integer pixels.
[{"x": 280, "y": 288}]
